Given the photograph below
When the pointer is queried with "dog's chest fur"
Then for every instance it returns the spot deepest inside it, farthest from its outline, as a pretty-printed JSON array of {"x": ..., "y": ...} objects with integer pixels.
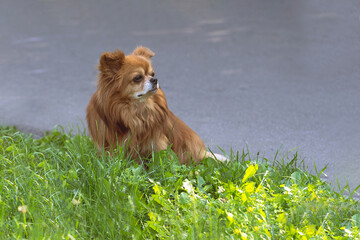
[{"x": 146, "y": 126}]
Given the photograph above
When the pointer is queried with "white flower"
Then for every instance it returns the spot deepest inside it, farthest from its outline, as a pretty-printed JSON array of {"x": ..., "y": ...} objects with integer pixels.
[{"x": 23, "y": 209}]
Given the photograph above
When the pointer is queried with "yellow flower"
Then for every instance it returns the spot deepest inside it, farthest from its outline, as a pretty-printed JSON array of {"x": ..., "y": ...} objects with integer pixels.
[
  {"x": 281, "y": 218},
  {"x": 157, "y": 189},
  {"x": 250, "y": 209},
  {"x": 244, "y": 197},
  {"x": 237, "y": 231},
  {"x": 152, "y": 216},
  {"x": 249, "y": 187},
  {"x": 310, "y": 230},
  {"x": 250, "y": 171},
  {"x": 230, "y": 217},
  {"x": 256, "y": 228}
]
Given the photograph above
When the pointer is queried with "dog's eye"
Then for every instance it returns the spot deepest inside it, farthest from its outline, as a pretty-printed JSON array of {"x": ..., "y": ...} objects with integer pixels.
[{"x": 138, "y": 78}]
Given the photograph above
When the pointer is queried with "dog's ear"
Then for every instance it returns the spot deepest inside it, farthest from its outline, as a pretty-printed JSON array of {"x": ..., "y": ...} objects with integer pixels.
[
  {"x": 144, "y": 52},
  {"x": 111, "y": 62}
]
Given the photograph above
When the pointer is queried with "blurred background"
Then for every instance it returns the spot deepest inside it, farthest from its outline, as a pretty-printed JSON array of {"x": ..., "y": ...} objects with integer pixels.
[{"x": 266, "y": 75}]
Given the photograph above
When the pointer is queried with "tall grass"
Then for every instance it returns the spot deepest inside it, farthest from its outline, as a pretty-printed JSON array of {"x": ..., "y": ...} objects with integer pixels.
[{"x": 60, "y": 187}]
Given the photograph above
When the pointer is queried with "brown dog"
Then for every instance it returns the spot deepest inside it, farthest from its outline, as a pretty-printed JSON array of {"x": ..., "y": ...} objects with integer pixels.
[{"x": 130, "y": 107}]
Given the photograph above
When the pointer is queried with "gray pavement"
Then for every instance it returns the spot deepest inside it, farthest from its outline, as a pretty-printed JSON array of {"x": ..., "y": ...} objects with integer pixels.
[{"x": 266, "y": 74}]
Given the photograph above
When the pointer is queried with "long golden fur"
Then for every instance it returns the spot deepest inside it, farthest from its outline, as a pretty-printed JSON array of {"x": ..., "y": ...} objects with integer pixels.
[{"x": 117, "y": 113}]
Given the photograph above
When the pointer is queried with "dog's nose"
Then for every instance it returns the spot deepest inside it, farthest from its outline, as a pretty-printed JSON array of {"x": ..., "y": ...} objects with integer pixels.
[{"x": 153, "y": 80}]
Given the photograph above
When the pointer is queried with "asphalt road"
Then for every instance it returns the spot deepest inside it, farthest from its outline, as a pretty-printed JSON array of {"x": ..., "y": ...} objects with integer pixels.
[{"x": 261, "y": 74}]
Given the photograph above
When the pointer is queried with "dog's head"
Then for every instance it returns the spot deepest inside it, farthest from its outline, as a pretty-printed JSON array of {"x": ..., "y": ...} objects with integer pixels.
[{"x": 130, "y": 76}]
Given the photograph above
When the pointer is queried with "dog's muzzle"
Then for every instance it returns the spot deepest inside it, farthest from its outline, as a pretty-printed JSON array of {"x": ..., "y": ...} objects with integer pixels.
[
  {"x": 154, "y": 81},
  {"x": 154, "y": 84}
]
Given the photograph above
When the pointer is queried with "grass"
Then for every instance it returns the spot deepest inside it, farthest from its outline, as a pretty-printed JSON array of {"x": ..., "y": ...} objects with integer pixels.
[{"x": 59, "y": 187}]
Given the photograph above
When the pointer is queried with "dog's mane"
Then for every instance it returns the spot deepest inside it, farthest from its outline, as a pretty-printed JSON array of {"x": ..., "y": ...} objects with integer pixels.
[
  {"x": 147, "y": 115},
  {"x": 137, "y": 119}
]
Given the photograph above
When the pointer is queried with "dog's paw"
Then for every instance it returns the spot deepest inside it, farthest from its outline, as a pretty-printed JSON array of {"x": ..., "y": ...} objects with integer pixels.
[{"x": 218, "y": 157}]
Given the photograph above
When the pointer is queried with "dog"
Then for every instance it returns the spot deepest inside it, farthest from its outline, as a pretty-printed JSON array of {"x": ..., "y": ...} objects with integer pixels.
[{"x": 130, "y": 108}]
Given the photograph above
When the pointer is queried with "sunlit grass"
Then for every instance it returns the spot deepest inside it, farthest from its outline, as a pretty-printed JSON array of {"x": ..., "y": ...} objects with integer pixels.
[{"x": 60, "y": 187}]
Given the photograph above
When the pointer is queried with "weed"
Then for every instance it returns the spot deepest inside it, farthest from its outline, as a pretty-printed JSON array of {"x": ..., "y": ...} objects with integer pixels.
[{"x": 60, "y": 187}]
